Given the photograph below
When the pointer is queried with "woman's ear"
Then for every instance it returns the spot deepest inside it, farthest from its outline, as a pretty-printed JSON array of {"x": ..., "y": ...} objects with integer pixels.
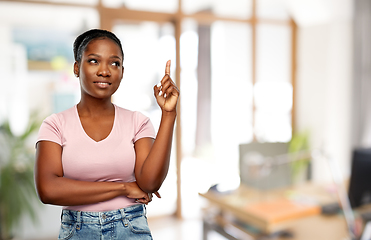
[
  {"x": 76, "y": 69},
  {"x": 122, "y": 73}
]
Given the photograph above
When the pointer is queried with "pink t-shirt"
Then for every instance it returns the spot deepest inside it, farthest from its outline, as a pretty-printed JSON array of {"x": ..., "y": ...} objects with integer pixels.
[{"x": 109, "y": 160}]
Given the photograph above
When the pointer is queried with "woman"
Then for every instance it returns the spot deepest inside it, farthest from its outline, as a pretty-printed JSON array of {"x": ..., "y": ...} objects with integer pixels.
[{"x": 102, "y": 162}]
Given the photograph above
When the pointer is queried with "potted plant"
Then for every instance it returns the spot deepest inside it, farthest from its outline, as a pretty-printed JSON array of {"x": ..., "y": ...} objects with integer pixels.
[
  {"x": 300, "y": 167},
  {"x": 17, "y": 189}
]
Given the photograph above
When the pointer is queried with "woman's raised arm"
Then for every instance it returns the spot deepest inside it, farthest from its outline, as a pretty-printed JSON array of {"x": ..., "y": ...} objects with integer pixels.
[{"x": 153, "y": 156}]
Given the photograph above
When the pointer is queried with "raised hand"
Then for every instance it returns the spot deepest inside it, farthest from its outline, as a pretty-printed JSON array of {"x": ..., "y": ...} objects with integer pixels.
[{"x": 166, "y": 92}]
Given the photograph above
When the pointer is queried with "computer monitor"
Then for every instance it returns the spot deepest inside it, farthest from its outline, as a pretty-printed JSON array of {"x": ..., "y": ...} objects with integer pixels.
[
  {"x": 360, "y": 179},
  {"x": 253, "y": 155}
]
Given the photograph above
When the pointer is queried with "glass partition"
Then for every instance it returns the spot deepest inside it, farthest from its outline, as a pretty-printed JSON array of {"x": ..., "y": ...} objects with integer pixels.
[
  {"x": 79, "y": 2},
  {"x": 147, "y": 46},
  {"x": 36, "y": 65},
  {"x": 273, "y": 52},
  {"x": 232, "y": 94},
  {"x": 46, "y": 36},
  {"x": 68, "y": 18},
  {"x": 273, "y": 91},
  {"x": 166, "y": 6},
  {"x": 240, "y": 109},
  {"x": 233, "y": 8},
  {"x": 189, "y": 84},
  {"x": 272, "y": 9}
]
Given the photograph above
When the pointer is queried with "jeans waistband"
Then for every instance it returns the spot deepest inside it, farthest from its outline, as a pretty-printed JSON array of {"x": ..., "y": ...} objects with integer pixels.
[{"x": 103, "y": 217}]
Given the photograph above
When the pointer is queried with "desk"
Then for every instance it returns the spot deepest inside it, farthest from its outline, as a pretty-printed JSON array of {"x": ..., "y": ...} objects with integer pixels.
[{"x": 230, "y": 213}]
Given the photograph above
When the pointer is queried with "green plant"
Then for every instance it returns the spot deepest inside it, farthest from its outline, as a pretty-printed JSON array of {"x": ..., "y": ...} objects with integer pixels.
[
  {"x": 17, "y": 189},
  {"x": 299, "y": 143}
]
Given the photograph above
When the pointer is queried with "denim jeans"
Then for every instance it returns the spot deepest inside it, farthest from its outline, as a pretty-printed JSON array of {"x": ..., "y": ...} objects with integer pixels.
[{"x": 124, "y": 223}]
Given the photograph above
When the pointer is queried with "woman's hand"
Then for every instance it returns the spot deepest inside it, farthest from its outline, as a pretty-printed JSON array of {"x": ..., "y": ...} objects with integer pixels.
[
  {"x": 166, "y": 92},
  {"x": 133, "y": 191}
]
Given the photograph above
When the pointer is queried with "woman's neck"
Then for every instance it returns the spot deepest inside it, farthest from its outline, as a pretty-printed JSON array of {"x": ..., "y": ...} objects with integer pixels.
[{"x": 95, "y": 107}]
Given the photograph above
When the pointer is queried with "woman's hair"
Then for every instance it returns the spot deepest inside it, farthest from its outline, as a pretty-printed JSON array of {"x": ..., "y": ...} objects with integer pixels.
[{"x": 82, "y": 41}]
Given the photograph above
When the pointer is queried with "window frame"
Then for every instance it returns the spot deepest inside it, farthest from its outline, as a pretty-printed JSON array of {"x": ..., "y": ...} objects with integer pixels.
[{"x": 108, "y": 16}]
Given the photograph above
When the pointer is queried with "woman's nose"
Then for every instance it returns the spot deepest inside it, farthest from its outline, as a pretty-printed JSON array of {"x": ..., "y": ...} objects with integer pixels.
[{"x": 104, "y": 71}]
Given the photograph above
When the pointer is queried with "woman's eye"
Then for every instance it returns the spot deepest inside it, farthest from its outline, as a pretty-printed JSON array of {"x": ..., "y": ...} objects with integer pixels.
[
  {"x": 117, "y": 64},
  {"x": 93, "y": 61}
]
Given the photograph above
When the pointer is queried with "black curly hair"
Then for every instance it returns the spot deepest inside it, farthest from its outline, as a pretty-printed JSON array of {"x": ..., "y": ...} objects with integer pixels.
[{"x": 82, "y": 41}]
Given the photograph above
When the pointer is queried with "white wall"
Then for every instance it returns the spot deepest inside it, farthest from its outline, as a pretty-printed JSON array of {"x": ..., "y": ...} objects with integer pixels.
[{"x": 324, "y": 84}]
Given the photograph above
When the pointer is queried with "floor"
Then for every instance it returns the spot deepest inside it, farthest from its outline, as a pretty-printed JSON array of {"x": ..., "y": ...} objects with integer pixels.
[
  {"x": 166, "y": 227},
  {"x": 170, "y": 228}
]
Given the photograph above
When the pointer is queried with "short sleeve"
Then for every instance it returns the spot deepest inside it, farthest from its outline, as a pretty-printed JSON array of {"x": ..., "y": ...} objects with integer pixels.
[
  {"x": 143, "y": 127},
  {"x": 50, "y": 130}
]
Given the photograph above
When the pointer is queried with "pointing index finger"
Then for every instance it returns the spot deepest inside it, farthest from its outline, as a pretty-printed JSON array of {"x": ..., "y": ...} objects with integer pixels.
[{"x": 167, "y": 68}]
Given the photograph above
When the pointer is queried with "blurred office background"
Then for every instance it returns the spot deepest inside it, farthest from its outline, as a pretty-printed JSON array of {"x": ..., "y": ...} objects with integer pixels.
[{"x": 248, "y": 70}]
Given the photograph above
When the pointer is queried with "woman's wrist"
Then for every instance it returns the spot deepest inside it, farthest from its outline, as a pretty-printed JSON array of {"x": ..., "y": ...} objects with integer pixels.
[
  {"x": 171, "y": 114},
  {"x": 123, "y": 189}
]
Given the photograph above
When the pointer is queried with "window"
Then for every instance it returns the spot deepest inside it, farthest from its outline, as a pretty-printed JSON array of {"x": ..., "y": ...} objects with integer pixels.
[
  {"x": 233, "y": 60},
  {"x": 147, "y": 46}
]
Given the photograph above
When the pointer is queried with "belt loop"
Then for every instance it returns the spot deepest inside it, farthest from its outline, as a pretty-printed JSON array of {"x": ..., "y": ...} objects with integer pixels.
[
  {"x": 144, "y": 210},
  {"x": 122, "y": 213},
  {"x": 78, "y": 220}
]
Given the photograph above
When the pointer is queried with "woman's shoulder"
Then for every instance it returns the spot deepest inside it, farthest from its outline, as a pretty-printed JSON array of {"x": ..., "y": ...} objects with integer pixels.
[
  {"x": 135, "y": 117},
  {"x": 127, "y": 112},
  {"x": 62, "y": 116}
]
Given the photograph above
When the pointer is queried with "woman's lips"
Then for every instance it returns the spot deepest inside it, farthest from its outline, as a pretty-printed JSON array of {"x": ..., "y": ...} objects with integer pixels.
[{"x": 102, "y": 84}]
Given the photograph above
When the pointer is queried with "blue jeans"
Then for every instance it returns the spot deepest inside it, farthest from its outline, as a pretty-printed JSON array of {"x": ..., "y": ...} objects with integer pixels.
[{"x": 124, "y": 223}]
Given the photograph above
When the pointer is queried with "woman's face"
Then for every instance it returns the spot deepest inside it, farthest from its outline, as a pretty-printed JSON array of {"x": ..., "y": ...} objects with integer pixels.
[{"x": 100, "y": 69}]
